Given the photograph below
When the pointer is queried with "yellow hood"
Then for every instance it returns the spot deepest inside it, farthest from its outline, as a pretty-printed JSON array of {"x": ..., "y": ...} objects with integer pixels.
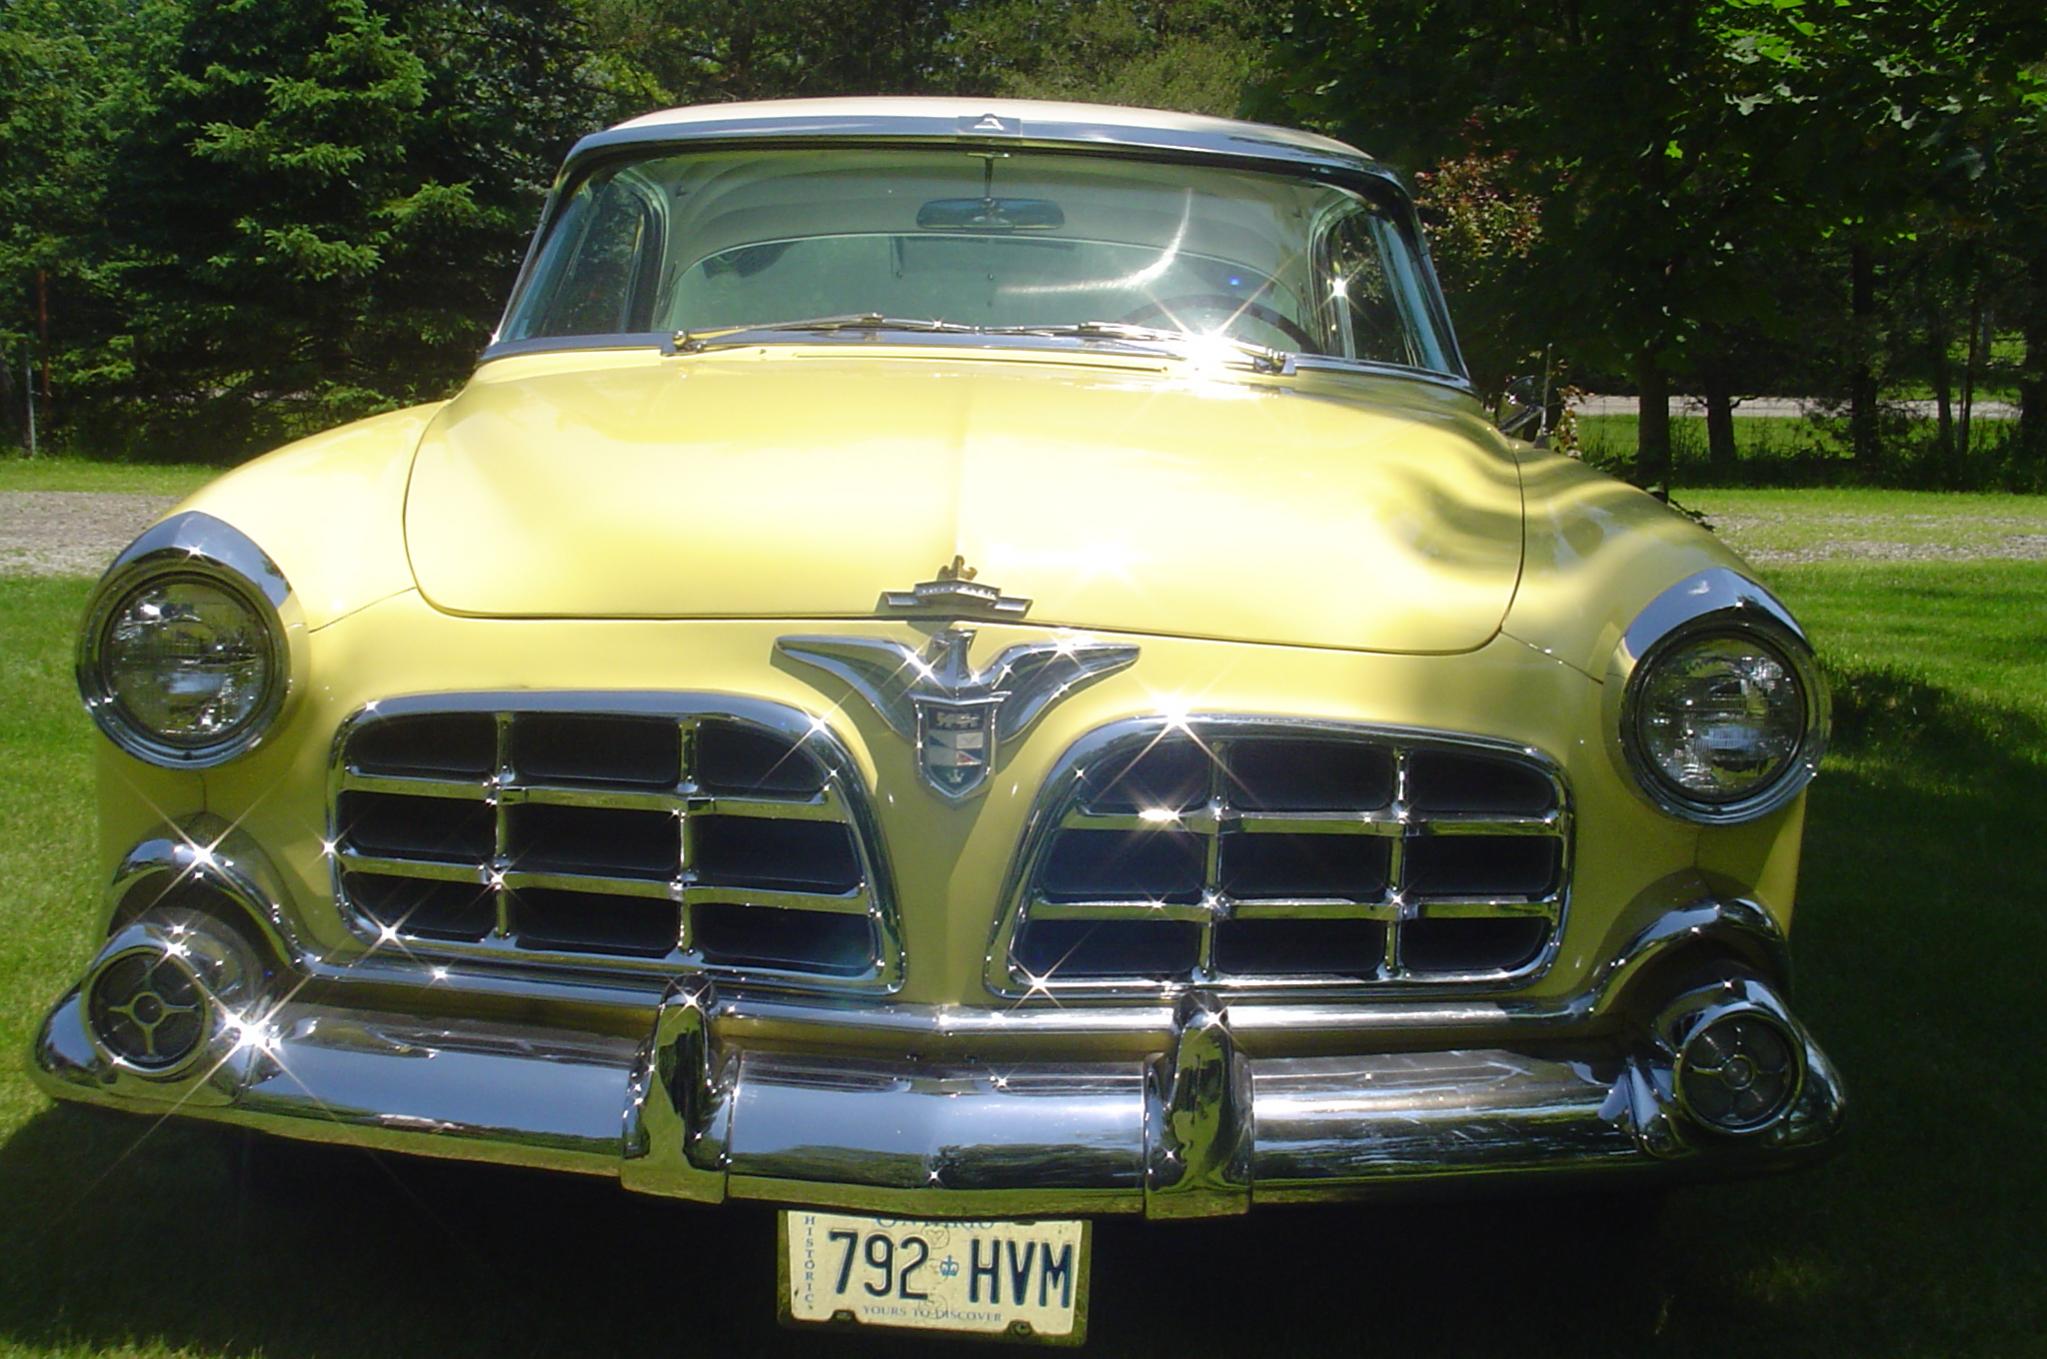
[{"x": 1115, "y": 495}]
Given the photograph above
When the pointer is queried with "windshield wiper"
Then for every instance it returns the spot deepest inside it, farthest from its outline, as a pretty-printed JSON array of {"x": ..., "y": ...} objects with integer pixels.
[
  {"x": 1262, "y": 358},
  {"x": 694, "y": 341}
]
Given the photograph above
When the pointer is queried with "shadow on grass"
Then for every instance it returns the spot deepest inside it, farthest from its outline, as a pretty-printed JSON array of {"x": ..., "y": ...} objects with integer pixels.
[
  {"x": 338, "y": 1253},
  {"x": 1920, "y": 943}
]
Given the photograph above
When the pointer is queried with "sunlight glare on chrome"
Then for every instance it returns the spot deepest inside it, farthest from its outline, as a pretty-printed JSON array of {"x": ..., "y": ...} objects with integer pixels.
[
  {"x": 1036, "y": 985},
  {"x": 1209, "y": 351}
]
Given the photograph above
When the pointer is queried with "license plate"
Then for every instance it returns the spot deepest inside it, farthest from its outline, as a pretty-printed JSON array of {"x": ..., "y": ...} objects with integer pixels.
[{"x": 1018, "y": 1280}]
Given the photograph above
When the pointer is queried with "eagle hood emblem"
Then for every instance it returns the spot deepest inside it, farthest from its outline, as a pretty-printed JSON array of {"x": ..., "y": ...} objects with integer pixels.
[{"x": 955, "y": 715}]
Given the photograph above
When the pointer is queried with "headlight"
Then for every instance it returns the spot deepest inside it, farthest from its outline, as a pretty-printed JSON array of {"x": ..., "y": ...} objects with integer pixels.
[
  {"x": 185, "y": 660},
  {"x": 1722, "y": 712},
  {"x": 1719, "y": 717}
]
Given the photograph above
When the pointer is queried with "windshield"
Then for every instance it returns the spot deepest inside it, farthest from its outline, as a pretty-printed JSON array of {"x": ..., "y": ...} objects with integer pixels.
[{"x": 973, "y": 238}]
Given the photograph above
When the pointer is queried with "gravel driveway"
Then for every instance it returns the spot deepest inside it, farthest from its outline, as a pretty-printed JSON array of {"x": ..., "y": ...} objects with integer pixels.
[
  {"x": 70, "y": 533},
  {"x": 1780, "y": 407}
]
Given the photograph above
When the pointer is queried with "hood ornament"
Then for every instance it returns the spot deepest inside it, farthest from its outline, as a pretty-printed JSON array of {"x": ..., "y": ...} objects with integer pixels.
[
  {"x": 956, "y": 590},
  {"x": 956, "y": 715}
]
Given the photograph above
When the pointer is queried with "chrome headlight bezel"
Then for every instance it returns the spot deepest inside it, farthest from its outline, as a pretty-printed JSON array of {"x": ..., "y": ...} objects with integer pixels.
[
  {"x": 196, "y": 547},
  {"x": 1715, "y": 603}
]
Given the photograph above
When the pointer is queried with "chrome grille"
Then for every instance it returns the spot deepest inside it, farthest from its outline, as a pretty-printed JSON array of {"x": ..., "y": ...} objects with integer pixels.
[
  {"x": 1270, "y": 855},
  {"x": 645, "y": 832}
]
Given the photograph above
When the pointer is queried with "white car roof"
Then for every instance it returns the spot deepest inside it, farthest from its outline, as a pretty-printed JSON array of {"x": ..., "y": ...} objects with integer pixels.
[
  {"x": 978, "y": 121},
  {"x": 823, "y": 114}
]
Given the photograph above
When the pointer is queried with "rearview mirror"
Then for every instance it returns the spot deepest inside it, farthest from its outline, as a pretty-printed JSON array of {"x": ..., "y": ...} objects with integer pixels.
[
  {"x": 992, "y": 214},
  {"x": 1523, "y": 407}
]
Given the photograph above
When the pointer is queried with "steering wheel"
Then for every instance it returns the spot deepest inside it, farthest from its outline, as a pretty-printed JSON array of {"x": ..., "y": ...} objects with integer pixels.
[{"x": 1235, "y": 306}]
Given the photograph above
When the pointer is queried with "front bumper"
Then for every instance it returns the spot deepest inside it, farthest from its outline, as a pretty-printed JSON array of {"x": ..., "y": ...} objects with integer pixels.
[{"x": 971, "y": 1112}]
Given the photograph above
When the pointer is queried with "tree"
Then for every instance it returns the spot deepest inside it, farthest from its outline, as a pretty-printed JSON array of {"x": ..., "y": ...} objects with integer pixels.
[
  {"x": 1648, "y": 191},
  {"x": 260, "y": 216},
  {"x": 258, "y": 187},
  {"x": 714, "y": 51},
  {"x": 1197, "y": 56},
  {"x": 53, "y": 146},
  {"x": 1689, "y": 159},
  {"x": 510, "y": 85}
]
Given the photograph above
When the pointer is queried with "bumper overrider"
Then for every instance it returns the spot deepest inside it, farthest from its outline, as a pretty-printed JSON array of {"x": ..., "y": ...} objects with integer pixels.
[{"x": 1683, "y": 1053}]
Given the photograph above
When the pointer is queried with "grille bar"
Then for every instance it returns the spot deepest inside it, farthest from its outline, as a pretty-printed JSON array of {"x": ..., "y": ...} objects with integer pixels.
[
  {"x": 1225, "y": 825},
  {"x": 599, "y": 811}
]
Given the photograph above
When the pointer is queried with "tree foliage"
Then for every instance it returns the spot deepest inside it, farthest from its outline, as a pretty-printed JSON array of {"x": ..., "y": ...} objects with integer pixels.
[
  {"x": 249, "y": 217},
  {"x": 1196, "y": 56},
  {"x": 260, "y": 216},
  {"x": 1703, "y": 170}
]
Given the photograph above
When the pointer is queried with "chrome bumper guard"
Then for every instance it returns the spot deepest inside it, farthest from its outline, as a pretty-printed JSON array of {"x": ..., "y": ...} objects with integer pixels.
[{"x": 1201, "y": 1129}]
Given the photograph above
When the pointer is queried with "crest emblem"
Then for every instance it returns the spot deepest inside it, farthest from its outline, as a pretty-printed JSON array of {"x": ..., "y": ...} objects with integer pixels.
[
  {"x": 955, "y": 591},
  {"x": 958, "y": 716}
]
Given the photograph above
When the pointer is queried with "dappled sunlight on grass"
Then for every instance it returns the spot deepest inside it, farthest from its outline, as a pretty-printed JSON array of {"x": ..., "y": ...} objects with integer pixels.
[{"x": 1790, "y": 1280}]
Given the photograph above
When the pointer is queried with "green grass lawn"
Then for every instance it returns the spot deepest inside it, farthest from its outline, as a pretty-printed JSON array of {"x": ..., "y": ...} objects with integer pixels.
[
  {"x": 1607, "y": 439},
  {"x": 1921, "y": 940},
  {"x": 80, "y": 474}
]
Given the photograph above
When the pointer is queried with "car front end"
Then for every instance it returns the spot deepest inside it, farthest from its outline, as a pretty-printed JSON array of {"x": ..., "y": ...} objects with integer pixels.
[{"x": 989, "y": 771}]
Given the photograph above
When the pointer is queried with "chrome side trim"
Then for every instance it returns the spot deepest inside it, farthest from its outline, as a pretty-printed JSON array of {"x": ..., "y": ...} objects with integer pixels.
[
  {"x": 843, "y": 800},
  {"x": 1714, "y": 601},
  {"x": 1058, "y": 807},
  {"x": 199, "y": 545}
]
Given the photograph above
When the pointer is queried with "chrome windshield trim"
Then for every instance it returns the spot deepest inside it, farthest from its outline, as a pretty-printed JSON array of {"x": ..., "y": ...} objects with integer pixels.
[
  {"x": 1337, "y": 363},
  {"x": 1080, "y": 346},
  {"x": 550, "y": 344}
]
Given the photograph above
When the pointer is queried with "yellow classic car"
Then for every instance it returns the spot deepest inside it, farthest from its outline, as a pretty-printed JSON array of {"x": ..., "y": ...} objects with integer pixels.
[{"x": 958, "y": 666}]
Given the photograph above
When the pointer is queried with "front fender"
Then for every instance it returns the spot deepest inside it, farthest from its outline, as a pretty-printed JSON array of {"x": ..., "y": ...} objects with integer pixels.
[
  {"x": 342, "y": 547},
  {"x": 1596, "y": 552}
]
